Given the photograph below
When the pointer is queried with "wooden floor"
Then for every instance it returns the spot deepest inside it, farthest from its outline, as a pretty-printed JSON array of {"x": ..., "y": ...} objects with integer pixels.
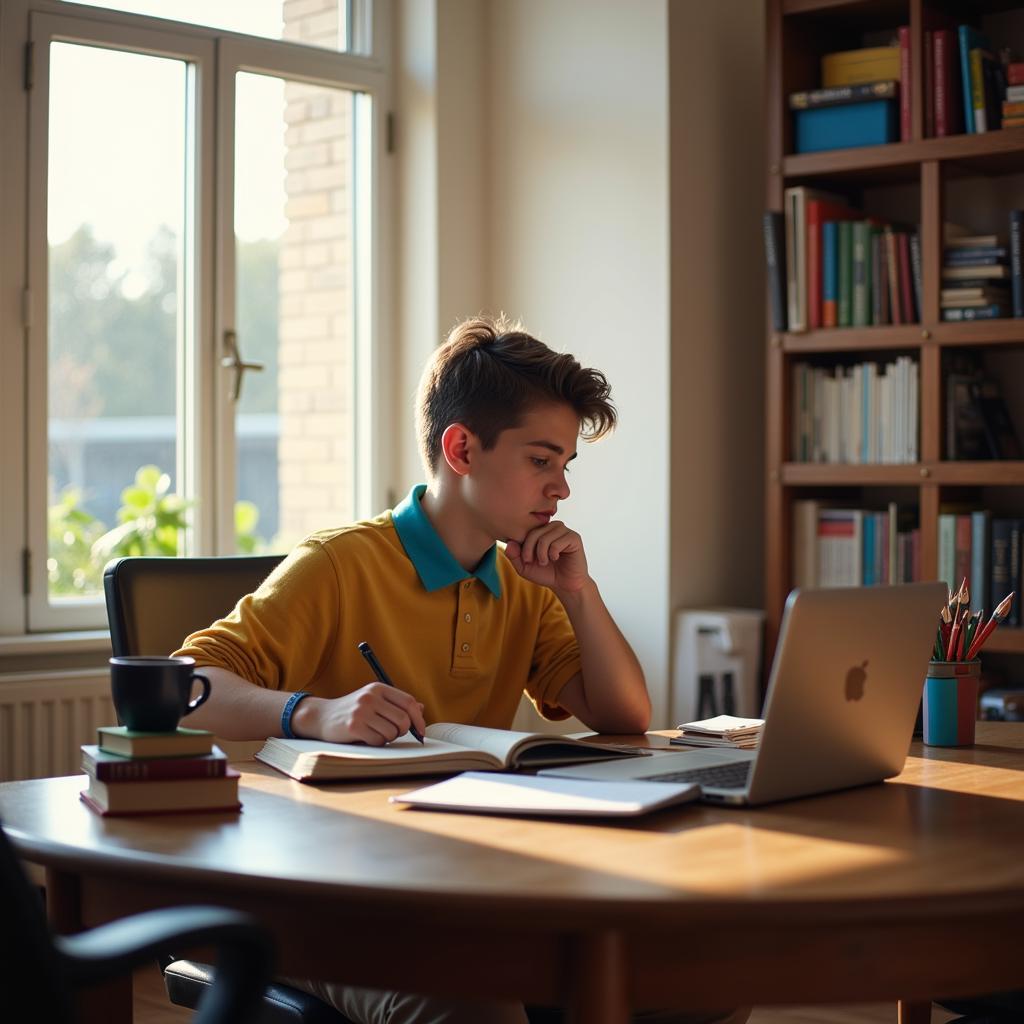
[{"x": 152, "y": 1007}]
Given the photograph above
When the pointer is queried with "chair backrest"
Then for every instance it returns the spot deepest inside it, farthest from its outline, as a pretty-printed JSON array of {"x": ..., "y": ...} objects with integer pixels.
[
  {"x": 154, "y": 603},
  {"x": 30, "y": 974}
]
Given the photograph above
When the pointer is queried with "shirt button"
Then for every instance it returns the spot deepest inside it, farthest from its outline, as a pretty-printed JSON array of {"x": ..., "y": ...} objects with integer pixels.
[
  {"x": 469, "y": 618},
  {"x": 465, "y": 647},
  {"x": 467, "y": 584}
]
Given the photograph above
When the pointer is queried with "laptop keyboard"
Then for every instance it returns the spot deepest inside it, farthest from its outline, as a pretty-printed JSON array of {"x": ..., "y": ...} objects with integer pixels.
[{"x": 716, "y": 776}]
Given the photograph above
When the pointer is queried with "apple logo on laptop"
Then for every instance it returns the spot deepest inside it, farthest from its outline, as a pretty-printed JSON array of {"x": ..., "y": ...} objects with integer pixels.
[{"x": 855, "y": 679}]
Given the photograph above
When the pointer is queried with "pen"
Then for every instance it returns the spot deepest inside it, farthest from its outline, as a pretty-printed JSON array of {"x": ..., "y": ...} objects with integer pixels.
[{"x": 367, "y": 652}]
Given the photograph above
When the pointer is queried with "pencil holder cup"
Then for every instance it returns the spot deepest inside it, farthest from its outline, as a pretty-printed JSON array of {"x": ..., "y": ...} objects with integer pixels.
[{"x": 950, "y": 703}]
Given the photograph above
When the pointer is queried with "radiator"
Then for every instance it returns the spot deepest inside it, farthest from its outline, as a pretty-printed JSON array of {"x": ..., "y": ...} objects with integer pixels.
[{"x": 45, "y": 717}]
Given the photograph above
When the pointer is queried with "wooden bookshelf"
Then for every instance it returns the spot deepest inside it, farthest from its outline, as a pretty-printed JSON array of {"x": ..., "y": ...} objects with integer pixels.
[{"x": 798, "y": 33}]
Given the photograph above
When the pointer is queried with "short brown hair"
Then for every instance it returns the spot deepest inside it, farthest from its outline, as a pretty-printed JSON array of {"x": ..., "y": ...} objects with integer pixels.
[{"x": 490, "y": 372}]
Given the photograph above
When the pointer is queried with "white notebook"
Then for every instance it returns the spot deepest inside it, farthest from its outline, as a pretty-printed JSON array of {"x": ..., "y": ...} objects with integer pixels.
[{"x": 488, "y": 793}]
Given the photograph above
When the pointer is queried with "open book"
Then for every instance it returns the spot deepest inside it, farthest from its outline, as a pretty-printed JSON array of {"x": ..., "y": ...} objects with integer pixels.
[{"x": 446, "y": 748}]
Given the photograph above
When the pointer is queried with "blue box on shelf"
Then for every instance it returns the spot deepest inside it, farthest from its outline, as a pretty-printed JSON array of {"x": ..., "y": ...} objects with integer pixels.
[{"x": 872, "y": 123}]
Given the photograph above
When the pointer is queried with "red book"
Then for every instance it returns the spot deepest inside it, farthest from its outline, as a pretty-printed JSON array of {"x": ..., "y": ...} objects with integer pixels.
[
  {"x": 906, "y": 280},
  {"x": 115, "y": 768},
  {"x": 1015, "y": 73},
  {"x": 818, "y": 212},
  {"x": 905, "y": 131},
  {"x": 948, "y": 97}
]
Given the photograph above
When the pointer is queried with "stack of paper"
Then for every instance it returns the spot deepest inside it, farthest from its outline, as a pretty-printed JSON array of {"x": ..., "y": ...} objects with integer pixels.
[{"x": 721, "y": 731}]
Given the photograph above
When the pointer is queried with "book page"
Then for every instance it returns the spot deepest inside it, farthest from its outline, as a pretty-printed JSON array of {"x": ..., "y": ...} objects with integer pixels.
[
  {"x": 401, "y": 751},
  {"x": 499, "y": 743},
  {"x": 526, "y": 749}
]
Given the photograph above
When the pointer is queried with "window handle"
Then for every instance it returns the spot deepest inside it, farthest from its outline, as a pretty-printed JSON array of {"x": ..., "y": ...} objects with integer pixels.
[{"x": 234, "y": 361}]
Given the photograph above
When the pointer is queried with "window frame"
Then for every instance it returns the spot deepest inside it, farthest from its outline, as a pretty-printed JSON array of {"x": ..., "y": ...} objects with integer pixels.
[{"x": 206, "y": 463}]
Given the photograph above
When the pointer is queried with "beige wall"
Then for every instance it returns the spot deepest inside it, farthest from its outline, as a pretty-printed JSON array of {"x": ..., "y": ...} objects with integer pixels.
[{"x": 596, "y": 168}]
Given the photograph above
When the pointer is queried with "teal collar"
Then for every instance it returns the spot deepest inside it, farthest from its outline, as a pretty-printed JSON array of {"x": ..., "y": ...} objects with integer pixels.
[{"x": 434, "y": 563}]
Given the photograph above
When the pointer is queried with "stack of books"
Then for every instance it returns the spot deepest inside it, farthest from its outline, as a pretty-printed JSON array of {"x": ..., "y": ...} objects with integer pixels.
[
  {"x": 858, "y": 102},
  {"x": 157, "y": 773},
  {"x": 720, "y": 731},
  {"x": 975, "y": 278},
  {"x": 1013, "y": 105}
]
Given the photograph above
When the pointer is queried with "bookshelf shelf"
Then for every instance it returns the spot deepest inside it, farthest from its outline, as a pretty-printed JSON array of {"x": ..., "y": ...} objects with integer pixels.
[
  {"x": 971, "y": 180},
  {"x": 998, "y": 152},
  {"x": 856, "y": 339},
  {"x": 823, "y": 474},
  {"x": 951, "y": 474}
]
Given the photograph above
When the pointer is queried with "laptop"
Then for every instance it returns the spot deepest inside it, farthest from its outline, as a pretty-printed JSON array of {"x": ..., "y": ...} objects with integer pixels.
[{"x": 842, "y": 700}]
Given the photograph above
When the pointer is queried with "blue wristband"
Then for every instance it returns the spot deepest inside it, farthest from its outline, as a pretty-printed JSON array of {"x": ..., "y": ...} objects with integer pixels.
[{"x": 288, "y": 710}]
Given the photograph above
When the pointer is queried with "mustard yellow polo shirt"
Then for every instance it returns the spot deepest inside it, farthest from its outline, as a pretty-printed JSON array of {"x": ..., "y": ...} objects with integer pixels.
[{"x": 464, "y": 644}]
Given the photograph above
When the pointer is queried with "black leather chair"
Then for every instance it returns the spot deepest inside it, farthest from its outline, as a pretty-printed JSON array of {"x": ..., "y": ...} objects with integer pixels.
[
  {"x": 152, "y": 605},
  {"x": 40, "y": 972}
]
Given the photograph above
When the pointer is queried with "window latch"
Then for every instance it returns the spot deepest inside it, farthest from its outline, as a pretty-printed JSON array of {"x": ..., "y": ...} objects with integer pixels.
[{"x": 234, "y": 361}]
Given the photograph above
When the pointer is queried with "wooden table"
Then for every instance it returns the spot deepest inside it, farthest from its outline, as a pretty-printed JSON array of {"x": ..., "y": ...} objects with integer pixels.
[{"x": 904, "y": 890}]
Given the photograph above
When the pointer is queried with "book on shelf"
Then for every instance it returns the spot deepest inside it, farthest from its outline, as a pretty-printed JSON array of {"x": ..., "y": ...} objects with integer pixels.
[
  {"x": 166, "y": 796},
  {"x": 817, "y": 213},
  {"x": 721, "y": 731},
  {"x": 865, "y": 64},
  {"x": 966, "y": 439},
  {"x": 993, "y": 311},
  {"x": 480, "y": 793},
  {"x": 1015, "y": 73},
  {"x": 998, "y": 272},
  {"x": 1005, "y": 564},
  {"x": 840, "y": 94},
  {"x": 969, "y": 38},
  {"x": 448, "y": 747},
  {"x": 946, "y": 78},
  {"x": 1016, "y": 271},
  {"x": 774, "y": 250},
  {"x": 116, "y": 739},
  {"x": 109, "y": 767},
  {"x": 1000, "y": 432},
  {"x": 955, "y": 537},
  {"x": 796, "y": 200}
]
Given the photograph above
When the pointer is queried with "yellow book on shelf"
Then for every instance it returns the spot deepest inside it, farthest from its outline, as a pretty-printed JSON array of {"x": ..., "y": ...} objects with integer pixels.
[{"x": 854, "y": 67}]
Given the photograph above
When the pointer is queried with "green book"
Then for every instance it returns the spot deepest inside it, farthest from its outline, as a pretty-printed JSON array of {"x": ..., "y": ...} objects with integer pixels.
[
  {"x": 845, "y": 273},
  {"x": 117, "y": 739}
]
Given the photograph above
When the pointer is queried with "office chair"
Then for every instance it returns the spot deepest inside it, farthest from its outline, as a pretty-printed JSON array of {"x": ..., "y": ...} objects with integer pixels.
[
  {"x": 40, "y": 971},
  {"x": 152, "y": 605}
]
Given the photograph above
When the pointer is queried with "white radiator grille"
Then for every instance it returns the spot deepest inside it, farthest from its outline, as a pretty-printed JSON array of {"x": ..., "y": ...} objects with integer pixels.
[{"x": 46, "y": 716}]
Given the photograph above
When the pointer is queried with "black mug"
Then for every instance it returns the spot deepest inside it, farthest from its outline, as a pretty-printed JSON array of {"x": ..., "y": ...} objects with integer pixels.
[{"x": 151, "y": 694}]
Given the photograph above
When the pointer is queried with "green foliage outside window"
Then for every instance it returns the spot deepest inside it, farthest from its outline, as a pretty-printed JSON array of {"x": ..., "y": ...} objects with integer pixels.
[{"x": 152, "y": 522}]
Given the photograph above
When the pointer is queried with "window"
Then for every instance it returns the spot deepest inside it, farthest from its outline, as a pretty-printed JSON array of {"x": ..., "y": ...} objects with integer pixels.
[{"x": 200, "y": 306}]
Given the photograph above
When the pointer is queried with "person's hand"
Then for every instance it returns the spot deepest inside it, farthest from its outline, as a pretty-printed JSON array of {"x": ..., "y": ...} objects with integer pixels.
[
  {"x": 374, "y": 714},
  {"x": 551, "y": 555}
]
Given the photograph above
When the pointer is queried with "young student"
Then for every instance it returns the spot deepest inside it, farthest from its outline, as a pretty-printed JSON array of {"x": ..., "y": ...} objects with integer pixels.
[{"x": 461, "y": 625}]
